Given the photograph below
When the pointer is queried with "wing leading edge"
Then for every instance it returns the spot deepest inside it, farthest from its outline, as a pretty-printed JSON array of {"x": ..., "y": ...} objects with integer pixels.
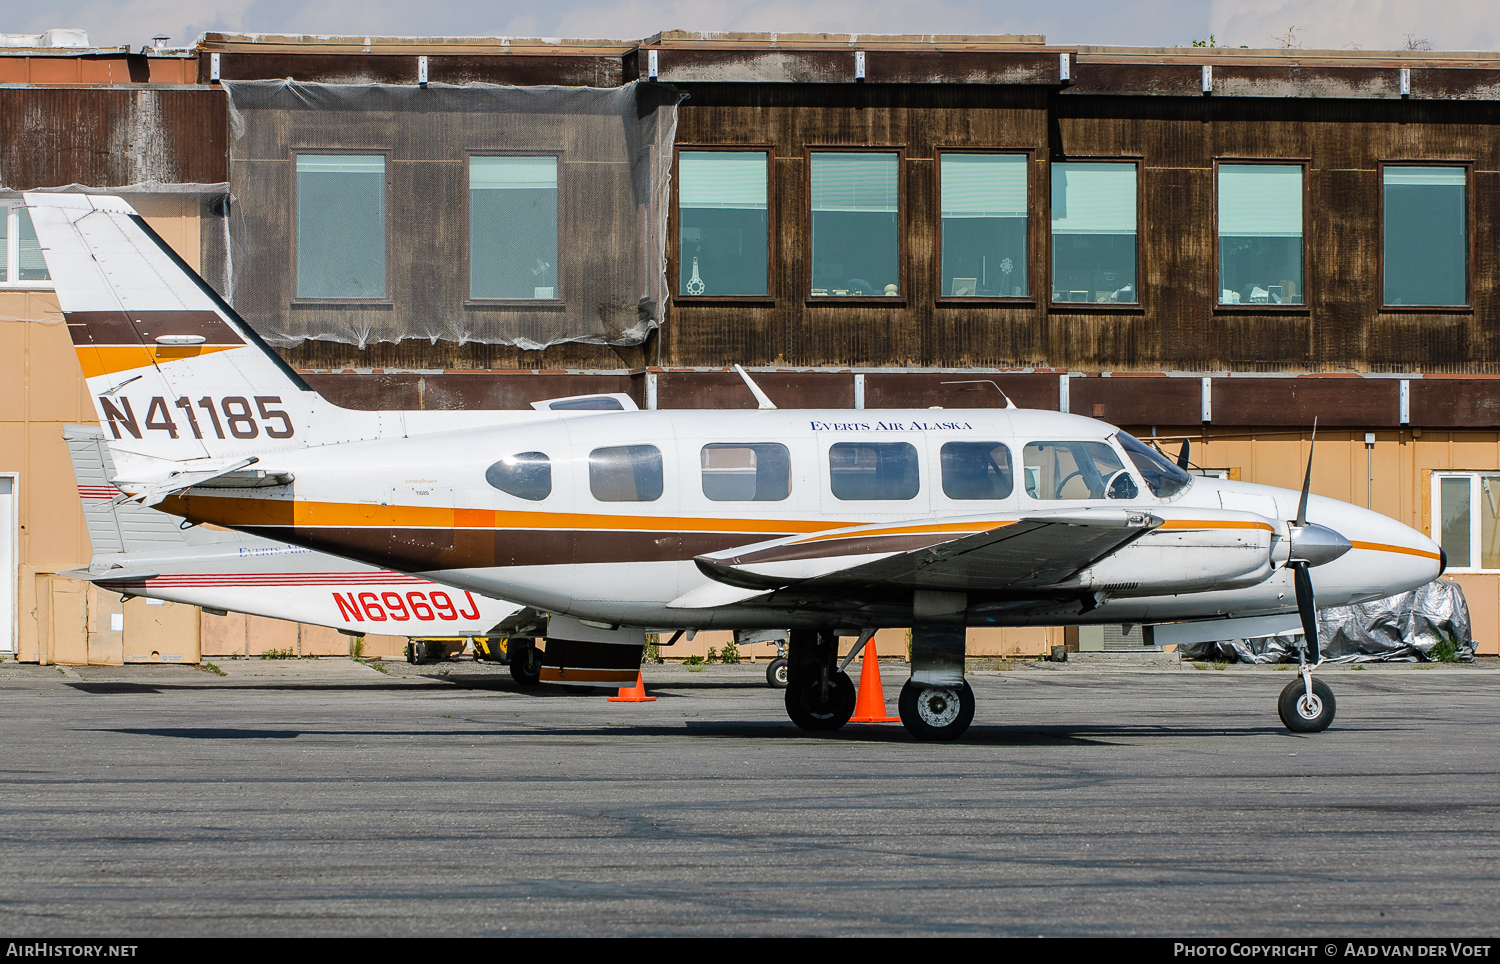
[{"x": 1033, "y": 552}]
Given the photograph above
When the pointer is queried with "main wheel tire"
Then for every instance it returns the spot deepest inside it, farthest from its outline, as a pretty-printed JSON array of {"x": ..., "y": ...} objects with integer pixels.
[
  {"x": 1301, "y": 715},
  {"x": 525, "y": 663},
  {"x": 808, "y": 709},
  {"x": 936, "y": 712},
  {"x": 419, "y": 652},
  {"x": 776, "y": 673}
]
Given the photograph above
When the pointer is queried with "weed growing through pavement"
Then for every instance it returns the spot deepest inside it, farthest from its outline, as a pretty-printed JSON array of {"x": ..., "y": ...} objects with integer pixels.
[
  {"x": 376, "y": 665},
  {"x": 652, "y": 652},
  {"x": 1357, "y": 667},
  {"x": 731, "y": 653},
  {"x": 211, "y": 668},
  {"x": 278, "y": 654},
  {"x": 694, "y": 664},
  {"x": 712, "y": 657},
  {"x": 1200, "y": 666},
  {"x": 357, "y": 647},
  {"x": 1218, "y": 665},
  {"x": 1282, "y": 667}
]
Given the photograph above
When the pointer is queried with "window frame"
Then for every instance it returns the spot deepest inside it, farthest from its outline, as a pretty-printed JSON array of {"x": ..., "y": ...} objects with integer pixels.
[
  {"x": 1469, "y": 251},
  {"x": 1476, "y": 524},
  {"x": 903, "y": 296},
  {"x": 470, "y": 301},
  {"x": 10, "y": 209},
  {"x": 1035, "y": 208},
  {"x": 385, "y": 300},
  {"x": 674, "y": 228},
  {"x": 1139, "y": 305},
  {"x": 1305, "y": 307}
]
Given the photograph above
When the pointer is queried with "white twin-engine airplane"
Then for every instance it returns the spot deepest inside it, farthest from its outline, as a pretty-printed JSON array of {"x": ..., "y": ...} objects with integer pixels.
[{"x": 607, "y": 525}]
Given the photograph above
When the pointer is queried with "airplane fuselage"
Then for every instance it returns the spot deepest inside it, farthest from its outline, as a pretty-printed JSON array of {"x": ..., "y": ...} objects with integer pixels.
[{"x": 631, "y": 499}]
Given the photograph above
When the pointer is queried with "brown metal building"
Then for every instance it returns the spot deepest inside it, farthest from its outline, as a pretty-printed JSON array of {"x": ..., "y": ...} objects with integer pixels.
[{"x": 1205, "y": 243}]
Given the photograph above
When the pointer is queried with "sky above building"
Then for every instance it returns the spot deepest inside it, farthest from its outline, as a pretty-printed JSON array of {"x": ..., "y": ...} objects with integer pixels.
[{"x": 1312, "y": 24}]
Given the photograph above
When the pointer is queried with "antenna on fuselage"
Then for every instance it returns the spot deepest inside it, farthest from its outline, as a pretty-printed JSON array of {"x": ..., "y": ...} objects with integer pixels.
[
  {"x": 762, "y": 400},
  {"x": 986, "y": 381}
]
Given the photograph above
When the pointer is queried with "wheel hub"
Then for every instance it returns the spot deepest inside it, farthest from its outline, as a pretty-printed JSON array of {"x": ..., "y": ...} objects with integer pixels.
[
  {"x": 1309, "y": 707},
  {"x": 938, "y": 706}
]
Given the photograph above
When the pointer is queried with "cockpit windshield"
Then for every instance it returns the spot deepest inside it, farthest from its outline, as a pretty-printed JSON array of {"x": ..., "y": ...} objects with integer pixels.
[{"x": 1162, "y": 477}]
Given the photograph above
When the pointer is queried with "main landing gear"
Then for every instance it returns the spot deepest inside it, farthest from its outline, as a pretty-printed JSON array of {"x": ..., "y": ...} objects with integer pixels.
[
  {"x": 818, "y": 696},
  {"x": 525, "y": 661}
]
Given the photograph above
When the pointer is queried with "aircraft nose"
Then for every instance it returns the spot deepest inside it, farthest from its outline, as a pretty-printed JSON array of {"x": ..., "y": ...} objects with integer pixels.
[{"x": 1318, "y": 545}]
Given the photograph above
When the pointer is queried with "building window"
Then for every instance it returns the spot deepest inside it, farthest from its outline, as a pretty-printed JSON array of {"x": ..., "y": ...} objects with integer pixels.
[
  {"x": 746, "y": 472},
  {"x": 513, "y": 228},
  {"x": 21, "y": 261},
  {"x": 1426, "y": 235},
  {"x": 1465, "y": 510},
  {"x": 1093, "y": 232},
  {"x": 723, "y": 229},
  {"x": 341, "y": 226},
  {"x": 856, "y": 235},
  {"x": 983, "y": 205},
  {"x": 1260, "y": 234}
]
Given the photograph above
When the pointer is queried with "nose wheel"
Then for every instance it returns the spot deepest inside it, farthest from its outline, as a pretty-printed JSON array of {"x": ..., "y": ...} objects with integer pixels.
[
  {"x": 936, "y": 712},
  {"x": 1306, "y": 709}
]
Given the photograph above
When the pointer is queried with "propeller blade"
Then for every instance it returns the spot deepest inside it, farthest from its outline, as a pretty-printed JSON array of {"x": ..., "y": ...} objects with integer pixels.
[
  {"x": 1307, "y": 480},
  {"x": 1302, "y": 580},
  {"x": 1182, "y": 457}
]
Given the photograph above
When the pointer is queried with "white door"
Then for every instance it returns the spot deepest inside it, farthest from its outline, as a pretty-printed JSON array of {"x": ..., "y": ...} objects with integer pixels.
[{"x": 8, "y": 574}]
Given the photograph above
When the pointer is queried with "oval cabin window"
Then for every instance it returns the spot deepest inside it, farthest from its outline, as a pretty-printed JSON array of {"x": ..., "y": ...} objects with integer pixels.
[{"x": 525, "y": 475}]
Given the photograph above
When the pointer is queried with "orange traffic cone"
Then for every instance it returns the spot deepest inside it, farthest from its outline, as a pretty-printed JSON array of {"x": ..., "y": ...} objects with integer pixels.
[
  {"x": 870, "y": 706},
  {"x": 633, "y": 694}
]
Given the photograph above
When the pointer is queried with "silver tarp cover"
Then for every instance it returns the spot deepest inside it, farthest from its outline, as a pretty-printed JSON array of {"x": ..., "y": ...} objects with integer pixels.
[
  {"x": 1404, "y": 627},
  {"x": 562, "y": 240}
]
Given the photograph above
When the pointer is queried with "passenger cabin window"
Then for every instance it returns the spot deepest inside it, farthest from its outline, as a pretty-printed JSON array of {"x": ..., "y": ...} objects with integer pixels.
[
  {"x": 977, "y": 470},
  {"x": 525, "y": 475},
  {"x": 341, "y": 226},
  {"x": 1260, "y": 234},
  {"x": 626, "y": 473},
  {"x": 1426, "y": 236},
  {"x": 1162, "y": 476},
  {"x": 1075, "y": 470},
  {"x": 746, "y": 472},
  {"x": 723, "y": 240},
  {"x": 1093, "y": 233},
  {"x": 873, "y": 471},
  {"x": 513, "y": 228},
  {"x": 984, "y": 225},
  {"x": 856, "y": 236}
]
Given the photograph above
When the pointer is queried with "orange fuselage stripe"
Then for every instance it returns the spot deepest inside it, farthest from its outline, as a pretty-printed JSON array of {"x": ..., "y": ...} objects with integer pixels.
[{"x": 1404, "y": 550}]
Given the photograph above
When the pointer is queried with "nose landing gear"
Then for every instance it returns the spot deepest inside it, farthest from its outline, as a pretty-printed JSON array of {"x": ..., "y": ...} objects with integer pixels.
[{"x": 1306, "y": 705}]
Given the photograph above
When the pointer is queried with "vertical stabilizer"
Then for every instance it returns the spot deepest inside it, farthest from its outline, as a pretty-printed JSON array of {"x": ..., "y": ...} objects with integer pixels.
[{"x": 176, "y": 376}]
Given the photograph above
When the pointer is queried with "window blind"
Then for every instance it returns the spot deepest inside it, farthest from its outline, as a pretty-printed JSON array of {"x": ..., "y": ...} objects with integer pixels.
[
  {"x": 1093, "y": 198},
  {"x": 854, "y": 182},
  {"x": 1260, "y": 201},
  {"x": 984, "y": 185},
  {"x": 722, "y": 179},
  {"x": 340, "y": 164},
  {"x": 1426, "y": 176},
  {"x": 512, "y": 173}
]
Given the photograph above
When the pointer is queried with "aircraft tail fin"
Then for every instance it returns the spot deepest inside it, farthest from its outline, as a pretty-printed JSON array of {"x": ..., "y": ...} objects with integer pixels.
[{"x": 175, "y": 375}]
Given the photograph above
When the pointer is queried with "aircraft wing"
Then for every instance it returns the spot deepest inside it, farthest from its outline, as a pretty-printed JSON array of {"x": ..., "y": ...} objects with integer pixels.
[{"x": 1032, "y": 552}]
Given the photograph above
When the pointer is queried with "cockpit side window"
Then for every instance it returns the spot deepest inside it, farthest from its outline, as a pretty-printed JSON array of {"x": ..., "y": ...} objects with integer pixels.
[
  {"x": 1075, "y": 470},
  {"x": 977, "y": 470},
  {"x": 1162, "y": 477},
  {"x": 525, "y": 475}
]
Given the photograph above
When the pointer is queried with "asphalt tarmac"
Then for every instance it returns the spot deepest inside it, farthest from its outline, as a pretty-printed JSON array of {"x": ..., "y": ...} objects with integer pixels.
[{"x": 321, "y": 797}]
